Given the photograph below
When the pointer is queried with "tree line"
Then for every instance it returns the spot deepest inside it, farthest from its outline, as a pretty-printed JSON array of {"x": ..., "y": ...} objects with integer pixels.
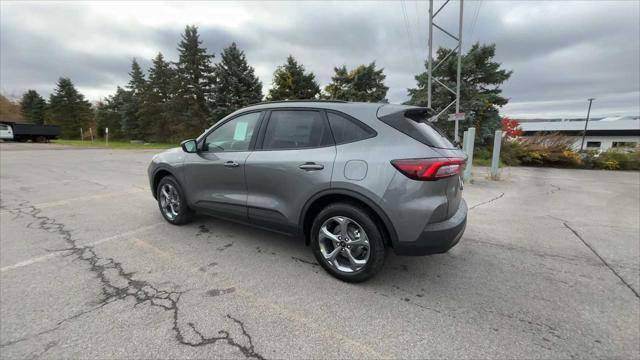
[{"x": 177, "y": 100}]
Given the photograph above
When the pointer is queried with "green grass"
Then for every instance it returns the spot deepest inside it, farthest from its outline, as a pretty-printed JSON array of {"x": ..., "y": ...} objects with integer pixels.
[{"x": 114, "y": 144}]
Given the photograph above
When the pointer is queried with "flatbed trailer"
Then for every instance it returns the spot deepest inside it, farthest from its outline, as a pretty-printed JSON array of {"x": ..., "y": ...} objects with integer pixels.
[{"x": 23, "y": 132}]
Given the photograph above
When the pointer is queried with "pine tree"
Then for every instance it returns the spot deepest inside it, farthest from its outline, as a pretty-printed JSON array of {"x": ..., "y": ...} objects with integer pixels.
[
  {"x": 290, "y": 83},
  {"x": 131, "y": 122},
  {"x": 33, "y": 107},
  {"x": 193, "y": 84},
  {"x": 68, "y": 109},
  {"x": 480, "y": 91},
  {"x": 364, "y": 83},
  {"x": 110, "y": 112},
  {"x": 156, "y": 108},
  {"x": 236, "y": 84}
]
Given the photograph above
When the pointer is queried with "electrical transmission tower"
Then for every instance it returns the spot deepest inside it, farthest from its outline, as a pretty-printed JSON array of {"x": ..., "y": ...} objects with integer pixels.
[{"x": 430, "y": 67}]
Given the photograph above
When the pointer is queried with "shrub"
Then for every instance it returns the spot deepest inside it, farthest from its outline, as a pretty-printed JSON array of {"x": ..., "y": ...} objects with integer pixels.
[
  {"x": 612, "y": 160},
  {"x": 553, "y": 150},
  {"x": 482, "y": 153},
  {"x": 511, "y": 152}
]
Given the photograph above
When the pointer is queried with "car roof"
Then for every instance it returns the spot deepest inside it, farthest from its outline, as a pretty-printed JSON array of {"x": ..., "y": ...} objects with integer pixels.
[
  {"x": 320, "y": 104},
  {"x": 356, "y": 109}
]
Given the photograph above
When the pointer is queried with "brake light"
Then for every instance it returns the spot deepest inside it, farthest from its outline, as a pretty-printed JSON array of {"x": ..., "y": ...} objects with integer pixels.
[{"x": 429, "y": 169}]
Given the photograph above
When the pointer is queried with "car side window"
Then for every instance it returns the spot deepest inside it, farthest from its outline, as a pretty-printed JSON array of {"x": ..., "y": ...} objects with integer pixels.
[
  {"x": 296, "y": 129},
  {"x": 234, "y": 135},
  {"x": 346, "y": 130}
]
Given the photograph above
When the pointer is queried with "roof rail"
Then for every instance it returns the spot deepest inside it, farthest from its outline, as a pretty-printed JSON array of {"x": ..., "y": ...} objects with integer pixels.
[{"x": 294, "y": 101}]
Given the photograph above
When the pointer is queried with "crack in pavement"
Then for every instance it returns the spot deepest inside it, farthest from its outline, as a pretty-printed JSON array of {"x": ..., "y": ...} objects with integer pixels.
[
  {"x": 555, "y": 189},
  {"x": 247, "y": 351},
  {"x": 141, "y": 291},
  {"x": 312, "y": 263},
  {"x": 487, "y": 202},
  {"x": 600, "y": 257}
]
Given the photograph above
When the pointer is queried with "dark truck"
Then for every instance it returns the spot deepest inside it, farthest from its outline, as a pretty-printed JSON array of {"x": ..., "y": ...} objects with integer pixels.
[{"x": 23, "y": 132}]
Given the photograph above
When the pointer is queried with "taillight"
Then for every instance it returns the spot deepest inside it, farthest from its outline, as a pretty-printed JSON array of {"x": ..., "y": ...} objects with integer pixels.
[{"x": 429, "y": 169}]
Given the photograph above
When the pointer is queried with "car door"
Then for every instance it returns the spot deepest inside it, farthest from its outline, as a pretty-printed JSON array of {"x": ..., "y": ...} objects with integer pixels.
[
  {"x": 292, "y": 161},
  {"x": 215, "y": 175}
]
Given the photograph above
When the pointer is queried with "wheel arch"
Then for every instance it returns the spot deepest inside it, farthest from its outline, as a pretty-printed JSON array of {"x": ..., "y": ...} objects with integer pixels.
[
  {"x": 158, "y": 175},
  {"x": 317, "y": 202}
]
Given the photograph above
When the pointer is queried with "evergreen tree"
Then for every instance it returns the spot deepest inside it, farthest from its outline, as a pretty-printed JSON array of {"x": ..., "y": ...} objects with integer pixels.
[
  {"x": 68, "y": 109},
  {"x": 110, "y": 112},
  {"x": 480, "y": 91},
  {"x": 236, "y": 85},
  {"x": 131, "y": 122},
  {"x": 33, "y": 107},
  {"x": 364, "y": 83},
  {"x": 156, "y": 108},
  {"x": 290, "y": 83},
  {"x": 193, "y": 84}
]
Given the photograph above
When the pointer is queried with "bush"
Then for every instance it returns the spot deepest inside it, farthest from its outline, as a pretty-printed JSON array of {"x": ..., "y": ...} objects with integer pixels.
[
  {"x": 555, "y": 150},
  {"x": 612, "y": 160},
  {"x": 482, "y": 153},
  {"x": 552, "y": 150},
  {"x": 511, "y": 152}
]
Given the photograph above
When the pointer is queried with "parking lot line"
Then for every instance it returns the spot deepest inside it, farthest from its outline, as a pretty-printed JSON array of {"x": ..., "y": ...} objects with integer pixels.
[
  {"x": 55, "y": 254},
  {"x": 81, "y": 198}
]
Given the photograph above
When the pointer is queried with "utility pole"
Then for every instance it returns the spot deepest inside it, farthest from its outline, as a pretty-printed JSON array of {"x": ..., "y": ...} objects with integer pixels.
[
  {"x": 456, "y": 138},
  {"x": 584, "y": 133},
  {"x": 431, "y": 67}
]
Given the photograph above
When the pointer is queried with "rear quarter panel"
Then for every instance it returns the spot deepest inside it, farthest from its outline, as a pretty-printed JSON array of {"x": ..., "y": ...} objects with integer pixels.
[{"x": 409, "y": 204}]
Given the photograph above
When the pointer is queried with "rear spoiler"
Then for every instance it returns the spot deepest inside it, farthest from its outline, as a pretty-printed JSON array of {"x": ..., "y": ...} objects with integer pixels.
[{"x": 414, "y": 113}]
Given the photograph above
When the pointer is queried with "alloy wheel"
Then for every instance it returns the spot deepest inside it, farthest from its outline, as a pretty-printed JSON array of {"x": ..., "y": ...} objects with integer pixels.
[
  {"x": 169, "y": 201},
  {"x": 344, "y": 244}
]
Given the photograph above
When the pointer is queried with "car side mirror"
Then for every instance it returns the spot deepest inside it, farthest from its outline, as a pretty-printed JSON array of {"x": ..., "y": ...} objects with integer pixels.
[{"x": 189, "y": 146}]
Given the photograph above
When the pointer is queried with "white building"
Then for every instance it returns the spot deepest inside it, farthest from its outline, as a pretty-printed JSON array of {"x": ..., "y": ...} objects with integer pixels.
[{"x": 602, "y": 135}]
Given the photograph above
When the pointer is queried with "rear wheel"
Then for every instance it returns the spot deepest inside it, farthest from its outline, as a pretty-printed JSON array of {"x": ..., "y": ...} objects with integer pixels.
[
  {"x": 172, "y": 202},
  {"x": 347, "y": 243}
]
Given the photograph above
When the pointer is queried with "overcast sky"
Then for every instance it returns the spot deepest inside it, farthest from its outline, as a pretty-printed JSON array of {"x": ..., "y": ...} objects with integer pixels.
[{"x": 561, "y": 52}]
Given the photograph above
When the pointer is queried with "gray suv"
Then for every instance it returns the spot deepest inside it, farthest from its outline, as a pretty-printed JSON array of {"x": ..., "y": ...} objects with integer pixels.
[{"x": 353, "y": 179}]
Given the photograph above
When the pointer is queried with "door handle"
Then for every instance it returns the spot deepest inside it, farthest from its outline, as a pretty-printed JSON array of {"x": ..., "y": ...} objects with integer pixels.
[
  {"x": 231, "y": 164},
  {"x": 311, "y": 166}
]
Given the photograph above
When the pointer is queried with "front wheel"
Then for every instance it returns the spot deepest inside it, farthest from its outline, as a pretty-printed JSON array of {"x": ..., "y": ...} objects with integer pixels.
[
  {"x": 172, "y": 203},
  {"x": 347, "y": 243}
]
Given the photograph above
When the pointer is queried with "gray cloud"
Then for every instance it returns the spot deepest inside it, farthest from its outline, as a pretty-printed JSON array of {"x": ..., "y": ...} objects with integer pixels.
[{"x": 560, "y": 52}]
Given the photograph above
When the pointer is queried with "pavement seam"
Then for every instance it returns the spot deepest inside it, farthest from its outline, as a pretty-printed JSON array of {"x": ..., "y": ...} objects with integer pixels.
[
  {"x": 487, "y": 202},
  {"x": 601, "y": 258}
]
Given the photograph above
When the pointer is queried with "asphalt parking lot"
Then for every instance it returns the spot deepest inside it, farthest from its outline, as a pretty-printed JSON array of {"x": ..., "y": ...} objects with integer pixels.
[{"x": 548, "y": 268}]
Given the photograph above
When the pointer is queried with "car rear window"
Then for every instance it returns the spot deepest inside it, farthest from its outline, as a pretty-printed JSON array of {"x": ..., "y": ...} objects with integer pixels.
[
  {"x": 346, "y": 130},
  {"x": 413, "y": 122}
]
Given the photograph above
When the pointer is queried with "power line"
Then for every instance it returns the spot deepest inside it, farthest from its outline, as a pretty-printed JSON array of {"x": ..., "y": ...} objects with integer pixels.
[
  {"x": 475, "y": 19},
  {"x": 406, "y": 26}
]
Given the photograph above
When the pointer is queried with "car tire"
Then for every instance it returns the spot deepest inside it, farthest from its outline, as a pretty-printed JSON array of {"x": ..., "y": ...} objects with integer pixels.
[
  {"x": 174, "y": 208},
  {"x": 358, "y": 220}
]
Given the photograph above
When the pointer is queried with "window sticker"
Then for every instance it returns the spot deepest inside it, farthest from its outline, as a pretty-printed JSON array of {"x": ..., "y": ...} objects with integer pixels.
[{"x": 241, "y": 131}]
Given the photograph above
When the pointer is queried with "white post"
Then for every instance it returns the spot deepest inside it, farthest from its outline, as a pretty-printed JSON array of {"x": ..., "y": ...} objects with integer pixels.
[
  {"x": 495, "y": 160},
  {"x": 81, "y": 136},
  {"x": 465, "y": 139},
  {"x": 471, "y": 134},
  {"x": 106, "y": 135}
]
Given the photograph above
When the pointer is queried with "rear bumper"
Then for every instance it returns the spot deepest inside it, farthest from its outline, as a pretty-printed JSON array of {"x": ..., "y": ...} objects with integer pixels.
[{"x": 436, "y": 238}]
